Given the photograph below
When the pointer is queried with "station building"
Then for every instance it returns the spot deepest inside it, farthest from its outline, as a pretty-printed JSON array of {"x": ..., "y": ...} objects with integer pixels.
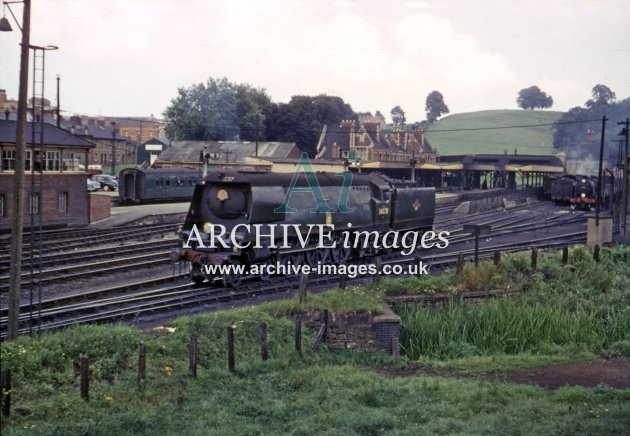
[
  {"x": 55, "y": 192},
  {"x": 368, "y": 146}
]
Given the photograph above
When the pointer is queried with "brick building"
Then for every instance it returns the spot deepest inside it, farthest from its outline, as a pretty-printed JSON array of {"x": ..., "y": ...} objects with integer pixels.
[
  {"x": 55, "y": 184},
  {"x": 103, "y": 139},
  {"x": 370, "y": 142},
  {"x": 128, "y": 134}
]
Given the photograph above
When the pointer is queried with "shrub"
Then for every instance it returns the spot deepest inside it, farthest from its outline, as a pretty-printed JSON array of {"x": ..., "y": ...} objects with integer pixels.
[{"x": 484, "y": 277}]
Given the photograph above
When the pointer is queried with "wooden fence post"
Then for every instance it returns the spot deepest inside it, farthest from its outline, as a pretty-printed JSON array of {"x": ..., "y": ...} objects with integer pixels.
[
  {"x": 298, "y": 335},
  {"x": 343, "y": 279},
  {"x": 418, "y": 261},
  {"x": 534, "y": 258},
  {"x": 5, "y": 388},
  {"x": 379, "y": 266},
  {"x": 192, "y": 356},
  {"x": 264, "y": 350},
  {"x": 142, "y": 362},
  {"x": 596, "y": 253},
  {"x": 302, "y": 291},
  {"x": 230, "y": 344},
  {"x": 565, "y": 255},
  {"x": 497, "y": 258},
  {"x": 85, "y": 378},
  {"x": 460, "y": 264},
  {"x": 396, "y": 349}
]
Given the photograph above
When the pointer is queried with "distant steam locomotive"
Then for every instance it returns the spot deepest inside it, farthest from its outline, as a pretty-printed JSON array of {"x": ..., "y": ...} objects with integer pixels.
[
  {"x": 580, "y": 192},
  {"x": 267, "y": 219}
]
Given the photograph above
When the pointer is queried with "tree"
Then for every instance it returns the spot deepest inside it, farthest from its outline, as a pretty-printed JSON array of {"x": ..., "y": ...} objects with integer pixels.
[
  {"x": 379, "y": 116},
  {"x": 301, "y": 120},
  {"x": 398, "y": 117},
  {"x": 216, "y": 111},
  {"x": 532, "y": 98},
  {"x": 571, "y": 128},
  {"x": 602, "y": 95},
  {"x": 435, "y": 106}
]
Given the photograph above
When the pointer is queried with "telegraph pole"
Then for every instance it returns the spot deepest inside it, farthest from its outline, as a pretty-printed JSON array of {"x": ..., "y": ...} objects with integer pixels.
[
  {"x": 257, "y": 130},
  {"x": 113, "y": 123},
  {"x": 15, "y": 271},
  {"x": 58, "y": 104},
  {"x": 626, "y": 175},
  {"x": 600, "y": 175}
]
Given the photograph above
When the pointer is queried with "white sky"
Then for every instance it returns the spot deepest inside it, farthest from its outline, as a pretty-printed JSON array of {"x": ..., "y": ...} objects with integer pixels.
[{"x": 128, "y": 57}]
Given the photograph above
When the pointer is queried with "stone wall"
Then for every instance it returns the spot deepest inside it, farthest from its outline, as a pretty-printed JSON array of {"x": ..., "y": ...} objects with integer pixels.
[{"x": 358, "y": 331}]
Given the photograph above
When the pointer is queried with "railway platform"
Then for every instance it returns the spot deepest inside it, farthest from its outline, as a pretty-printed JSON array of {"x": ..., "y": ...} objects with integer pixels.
[{"x": 121, "y": 215}]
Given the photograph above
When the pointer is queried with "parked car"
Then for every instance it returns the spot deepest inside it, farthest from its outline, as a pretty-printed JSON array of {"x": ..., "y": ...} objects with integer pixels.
[
  {"x": 108, "y": 183},
  {"x": 93, "y": 185}
]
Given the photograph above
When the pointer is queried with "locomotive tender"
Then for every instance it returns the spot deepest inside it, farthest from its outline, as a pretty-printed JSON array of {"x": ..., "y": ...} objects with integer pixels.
[{"x": 263, "y": 218}]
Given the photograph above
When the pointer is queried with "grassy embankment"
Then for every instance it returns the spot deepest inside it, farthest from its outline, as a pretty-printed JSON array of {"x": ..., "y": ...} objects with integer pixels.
[
  {"x": 534, "y": 139},
  {"x": 566, "y": 313}
]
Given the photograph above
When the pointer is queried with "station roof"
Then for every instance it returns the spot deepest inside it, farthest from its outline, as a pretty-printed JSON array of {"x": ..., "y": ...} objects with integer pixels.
[
  {"x": 52, "y": 135},
  {"x": 486, "y": 162},
  {"x": 237, "y": 152},
  {"x": 506, "y": 162}
]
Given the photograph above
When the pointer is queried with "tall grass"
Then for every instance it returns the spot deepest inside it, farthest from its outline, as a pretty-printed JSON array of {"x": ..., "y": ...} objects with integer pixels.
[{"x": 507, "y": 326}]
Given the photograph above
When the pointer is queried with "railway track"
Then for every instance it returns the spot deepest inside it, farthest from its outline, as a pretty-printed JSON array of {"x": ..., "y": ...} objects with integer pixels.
[
  {"x": 57, "y": 274},
  {"x": 90, "y": 255},
  {"x": 67, "y": 240},
  {"x": 146, "y": 299}
]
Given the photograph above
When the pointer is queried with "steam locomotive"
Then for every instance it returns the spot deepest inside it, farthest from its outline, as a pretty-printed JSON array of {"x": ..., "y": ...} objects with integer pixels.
[
  {"x": 247, "y": 219},
  {"x": 578, "y": 191}
]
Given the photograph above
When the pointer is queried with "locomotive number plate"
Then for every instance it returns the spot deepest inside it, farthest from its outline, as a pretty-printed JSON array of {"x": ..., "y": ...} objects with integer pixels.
[{"x": 383, "y": 210}]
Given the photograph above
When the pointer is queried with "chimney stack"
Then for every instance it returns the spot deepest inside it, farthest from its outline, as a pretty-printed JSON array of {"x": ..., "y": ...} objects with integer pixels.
[{"x": 3, "y": 98}]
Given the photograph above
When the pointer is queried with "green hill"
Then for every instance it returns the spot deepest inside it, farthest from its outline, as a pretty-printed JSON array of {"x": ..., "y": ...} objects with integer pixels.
[{"x": 447, "y": 137}]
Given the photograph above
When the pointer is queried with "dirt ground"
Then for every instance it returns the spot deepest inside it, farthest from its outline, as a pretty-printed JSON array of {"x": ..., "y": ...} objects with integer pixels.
[{"x": 613, "y": 372}]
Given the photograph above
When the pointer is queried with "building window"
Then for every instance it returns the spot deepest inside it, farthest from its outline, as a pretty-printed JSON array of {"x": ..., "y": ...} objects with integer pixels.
[
  {"x": 53, "y": 159},
  {"x": 70, "y": 161},
  {"x": 62, "y": 200},
  {"x": 2, "y": 208},
  {"x": 33, "y": 206},
  {"x": 8, "y": 160},
  {"x": 38, "y": 164},
  {"x": 27, "y": 160}
]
